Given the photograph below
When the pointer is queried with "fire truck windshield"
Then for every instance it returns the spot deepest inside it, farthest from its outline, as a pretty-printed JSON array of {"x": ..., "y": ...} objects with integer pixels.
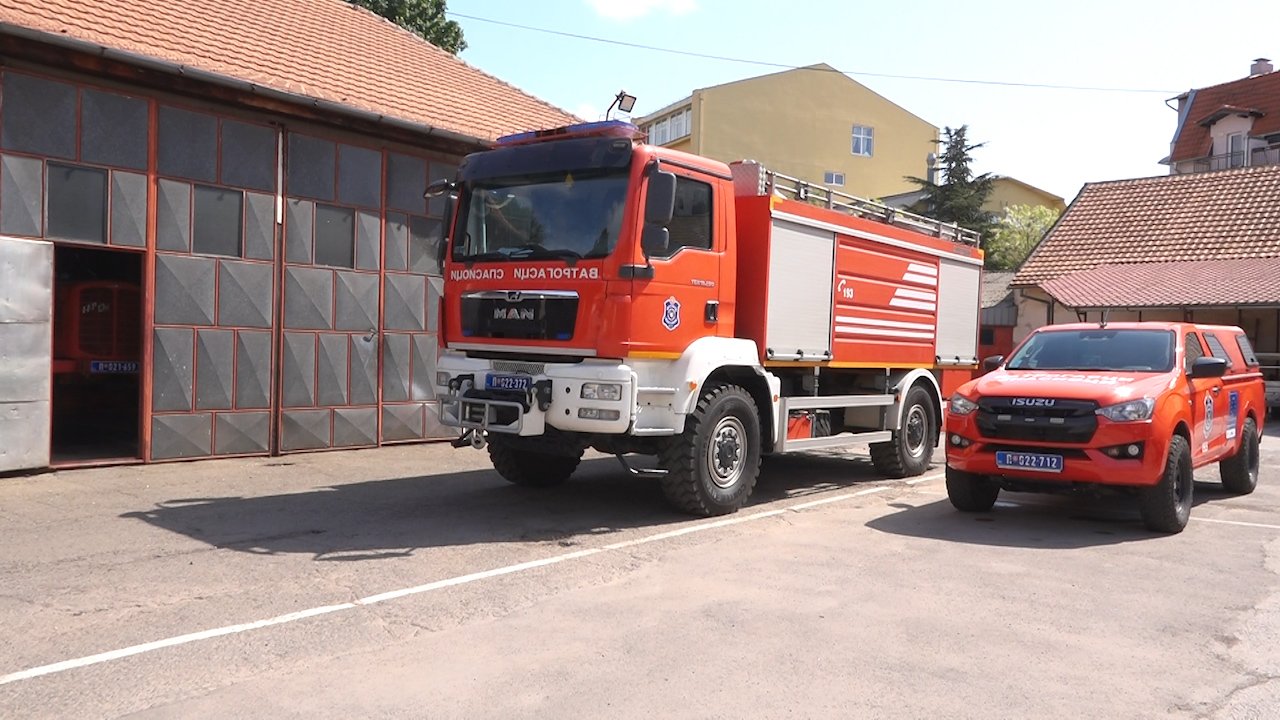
[{"x": 563, "y": 215}]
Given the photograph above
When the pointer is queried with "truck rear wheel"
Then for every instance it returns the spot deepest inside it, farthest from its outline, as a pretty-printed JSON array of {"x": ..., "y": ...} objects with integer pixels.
[
  {"x": 1240, "y": 471},
  {"x": 520, "y": 466},
  {"x": 1166, "y": 506},
  {"x": 971, "y": 493},
  {"x": 713, "y": 465},
  {"x": 911, "y": 448}
]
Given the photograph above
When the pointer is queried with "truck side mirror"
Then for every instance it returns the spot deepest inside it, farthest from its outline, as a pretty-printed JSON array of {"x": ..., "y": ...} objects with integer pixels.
[
  {"x": 660, "y": 201},
  {"x": 1208, "y": 367},
  {"x": 438, "y": 187},
  {"x": 655, "y": 240},
  {"x": 991, "y": 363}
]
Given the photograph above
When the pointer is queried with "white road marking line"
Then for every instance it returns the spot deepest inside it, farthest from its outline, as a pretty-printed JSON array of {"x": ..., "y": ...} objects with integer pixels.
[
  {"x": 108, "y": 656},
  {"x": 1236, "y": 522}
]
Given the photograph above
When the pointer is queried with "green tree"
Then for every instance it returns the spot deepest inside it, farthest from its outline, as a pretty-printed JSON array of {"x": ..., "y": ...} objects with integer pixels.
[
  {"x": 960, "y": 196},
  {"x": 1017, "y": 234},
  {"x": 425, "y": 18}
]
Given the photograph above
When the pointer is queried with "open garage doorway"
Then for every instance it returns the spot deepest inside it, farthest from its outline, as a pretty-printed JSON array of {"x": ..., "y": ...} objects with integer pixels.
[{"x": 97, "y": 354}]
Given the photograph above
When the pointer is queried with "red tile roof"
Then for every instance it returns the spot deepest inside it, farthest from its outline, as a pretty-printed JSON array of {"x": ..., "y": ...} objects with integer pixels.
[
  {"x": 324, "y": 50},
  {"x": 1227, "y": 215},
  {"x": 1172, "y": 284},
  {"x": 1258, "y": 95}
]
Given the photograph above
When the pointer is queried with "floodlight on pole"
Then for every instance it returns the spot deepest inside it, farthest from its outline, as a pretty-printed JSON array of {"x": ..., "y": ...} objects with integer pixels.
[{"x": 622, "y": 101}]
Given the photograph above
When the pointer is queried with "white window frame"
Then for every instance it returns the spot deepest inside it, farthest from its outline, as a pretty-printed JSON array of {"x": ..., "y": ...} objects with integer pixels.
[
  {"x": 863, "y": 142},
  {"x": 1236, "y": 157},
  {"x": 834, "y": 178}
]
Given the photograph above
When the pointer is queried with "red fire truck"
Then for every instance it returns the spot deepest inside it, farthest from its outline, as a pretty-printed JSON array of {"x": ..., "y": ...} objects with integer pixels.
[{"x": 604, "y": 293}]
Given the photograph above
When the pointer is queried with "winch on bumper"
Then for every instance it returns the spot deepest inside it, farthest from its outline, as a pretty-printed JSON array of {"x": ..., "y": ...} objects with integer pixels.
[{"x": 523, "y": 398}]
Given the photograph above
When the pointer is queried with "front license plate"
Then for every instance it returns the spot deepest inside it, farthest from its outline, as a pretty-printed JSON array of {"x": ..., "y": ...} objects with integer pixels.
[
  {"x": 1038, "y": 462},
  {"x": 508, "y": 382}
]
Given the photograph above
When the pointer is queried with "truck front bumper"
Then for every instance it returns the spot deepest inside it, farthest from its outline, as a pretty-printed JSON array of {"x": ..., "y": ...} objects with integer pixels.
[
  {"x": 969, "y": 451},
  {"x": 526, "y": 398}
]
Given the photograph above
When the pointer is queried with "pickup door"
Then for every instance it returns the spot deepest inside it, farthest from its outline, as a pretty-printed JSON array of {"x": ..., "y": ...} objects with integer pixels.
[{"x": 1208, "y": 406}]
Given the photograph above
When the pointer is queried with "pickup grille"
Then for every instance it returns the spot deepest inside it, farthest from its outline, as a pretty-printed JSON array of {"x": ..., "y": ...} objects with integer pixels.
[{"x": 1066, "y": 421}]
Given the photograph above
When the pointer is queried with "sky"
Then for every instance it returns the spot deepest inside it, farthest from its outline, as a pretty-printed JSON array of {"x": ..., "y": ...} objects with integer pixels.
[{"x": 952, "y": 63}]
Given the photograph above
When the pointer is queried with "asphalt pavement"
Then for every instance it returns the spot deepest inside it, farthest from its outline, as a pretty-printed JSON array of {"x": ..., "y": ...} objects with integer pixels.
[{"x": 411, "y": 581}]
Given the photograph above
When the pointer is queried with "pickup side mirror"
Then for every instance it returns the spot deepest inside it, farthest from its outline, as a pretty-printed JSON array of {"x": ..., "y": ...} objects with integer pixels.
[
  {"x": 1208, "y": 367},
  {"x": 991, "y": 363},
  {"x": 660, "y": 201}
]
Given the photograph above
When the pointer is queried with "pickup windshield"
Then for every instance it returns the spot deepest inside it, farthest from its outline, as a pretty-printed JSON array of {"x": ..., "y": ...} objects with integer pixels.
[
  {"x": 562, "y": 215},
  {"x": 1098, "y": 350}
]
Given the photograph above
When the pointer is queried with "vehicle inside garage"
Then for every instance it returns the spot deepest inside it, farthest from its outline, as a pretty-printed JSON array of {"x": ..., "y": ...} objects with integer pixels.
[{"x": 97, "y": 324}]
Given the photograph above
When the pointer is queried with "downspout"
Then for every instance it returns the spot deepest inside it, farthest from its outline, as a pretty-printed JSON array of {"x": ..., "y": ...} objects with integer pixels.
[{"x": 1049, "y": 304}]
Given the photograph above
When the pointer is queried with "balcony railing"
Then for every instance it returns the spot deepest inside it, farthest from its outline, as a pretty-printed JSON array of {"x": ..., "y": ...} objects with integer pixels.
[{"x": 1256, "y": 156}]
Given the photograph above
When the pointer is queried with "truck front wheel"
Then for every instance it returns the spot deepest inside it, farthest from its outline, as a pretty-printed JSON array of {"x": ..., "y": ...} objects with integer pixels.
[
  {"x": 971, "y": 493},
  {"x": 1240, "y": 471},
  {"x": 520, "y": 466},
  {"x": 713, "y": 465},
  {"x": 1166, "y": 506},
  {"x": 911, "y": 448}
]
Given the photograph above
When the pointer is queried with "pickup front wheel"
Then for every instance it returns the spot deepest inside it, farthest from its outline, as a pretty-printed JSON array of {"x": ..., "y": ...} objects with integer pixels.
[
  {"x": 971, "y": 493},
  {"x": 1166, "y": 506}
]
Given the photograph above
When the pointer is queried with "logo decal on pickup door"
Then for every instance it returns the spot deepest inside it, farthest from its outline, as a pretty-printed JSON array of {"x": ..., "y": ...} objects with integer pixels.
[{"x": 1033, "y": 402}]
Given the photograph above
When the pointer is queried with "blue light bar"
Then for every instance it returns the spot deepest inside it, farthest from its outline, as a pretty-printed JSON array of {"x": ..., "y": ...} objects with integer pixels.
[{"x": 604, "y": 128}]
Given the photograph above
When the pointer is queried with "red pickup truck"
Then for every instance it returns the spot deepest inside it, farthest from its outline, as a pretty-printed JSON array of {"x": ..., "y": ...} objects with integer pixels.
[{"x": 1134, "y": 407}]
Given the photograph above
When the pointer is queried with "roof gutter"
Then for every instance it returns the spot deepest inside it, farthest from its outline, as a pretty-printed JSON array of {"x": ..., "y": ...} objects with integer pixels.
[{"x": 212, "y": 78}]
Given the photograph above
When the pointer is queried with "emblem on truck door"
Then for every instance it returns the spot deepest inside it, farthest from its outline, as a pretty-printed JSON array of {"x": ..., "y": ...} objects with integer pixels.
[{"x": 671, "y": 313}]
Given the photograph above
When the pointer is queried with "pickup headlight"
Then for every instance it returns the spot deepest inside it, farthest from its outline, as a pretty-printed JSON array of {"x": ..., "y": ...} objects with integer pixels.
[
  {"x": 1129, "y": 411},
  {"x": 961, "y": 405},
  {"x": 601, "y": 391}
]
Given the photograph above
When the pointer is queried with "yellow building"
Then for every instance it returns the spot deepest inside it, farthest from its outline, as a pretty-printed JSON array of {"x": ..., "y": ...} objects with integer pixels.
[
  {"x": 813, "y": 123},
  {"x": 1007, "y": 192}
]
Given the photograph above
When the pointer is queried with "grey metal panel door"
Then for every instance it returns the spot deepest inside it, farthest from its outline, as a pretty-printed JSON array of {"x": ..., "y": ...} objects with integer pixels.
[{"x": 26, "y": 336}]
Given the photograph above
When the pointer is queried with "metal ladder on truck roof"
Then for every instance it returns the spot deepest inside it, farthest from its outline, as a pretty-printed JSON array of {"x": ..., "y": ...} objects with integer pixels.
[{"x": 751, "y": 178}]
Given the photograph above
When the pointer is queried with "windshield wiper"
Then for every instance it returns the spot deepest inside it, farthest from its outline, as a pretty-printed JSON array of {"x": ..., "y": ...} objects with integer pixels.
[
  {"x": 483, "y": 257},
  {"x": 538, "y": 252}
]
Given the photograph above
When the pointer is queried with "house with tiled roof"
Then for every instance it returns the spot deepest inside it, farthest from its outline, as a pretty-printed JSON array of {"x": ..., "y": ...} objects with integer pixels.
[
  {"x": 1202, "y": 246},
  {"x": 214, "y": 239},
  {"x": 1234, "y": 124}
]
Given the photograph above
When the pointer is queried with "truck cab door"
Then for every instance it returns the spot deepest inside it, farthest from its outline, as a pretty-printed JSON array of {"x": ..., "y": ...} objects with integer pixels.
[
  {"x": 1207, "y": 406},
  {"x": 679, "y": 301}
]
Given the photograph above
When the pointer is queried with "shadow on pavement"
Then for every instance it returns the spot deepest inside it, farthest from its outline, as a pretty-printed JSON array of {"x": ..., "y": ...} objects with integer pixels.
[
  {"x": 391, "y": 518},
  {"x": 1034, "y": 520}
]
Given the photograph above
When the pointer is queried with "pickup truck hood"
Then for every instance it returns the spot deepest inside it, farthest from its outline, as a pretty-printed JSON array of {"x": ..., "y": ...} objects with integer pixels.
[{"x": 1105, "y": 388}]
